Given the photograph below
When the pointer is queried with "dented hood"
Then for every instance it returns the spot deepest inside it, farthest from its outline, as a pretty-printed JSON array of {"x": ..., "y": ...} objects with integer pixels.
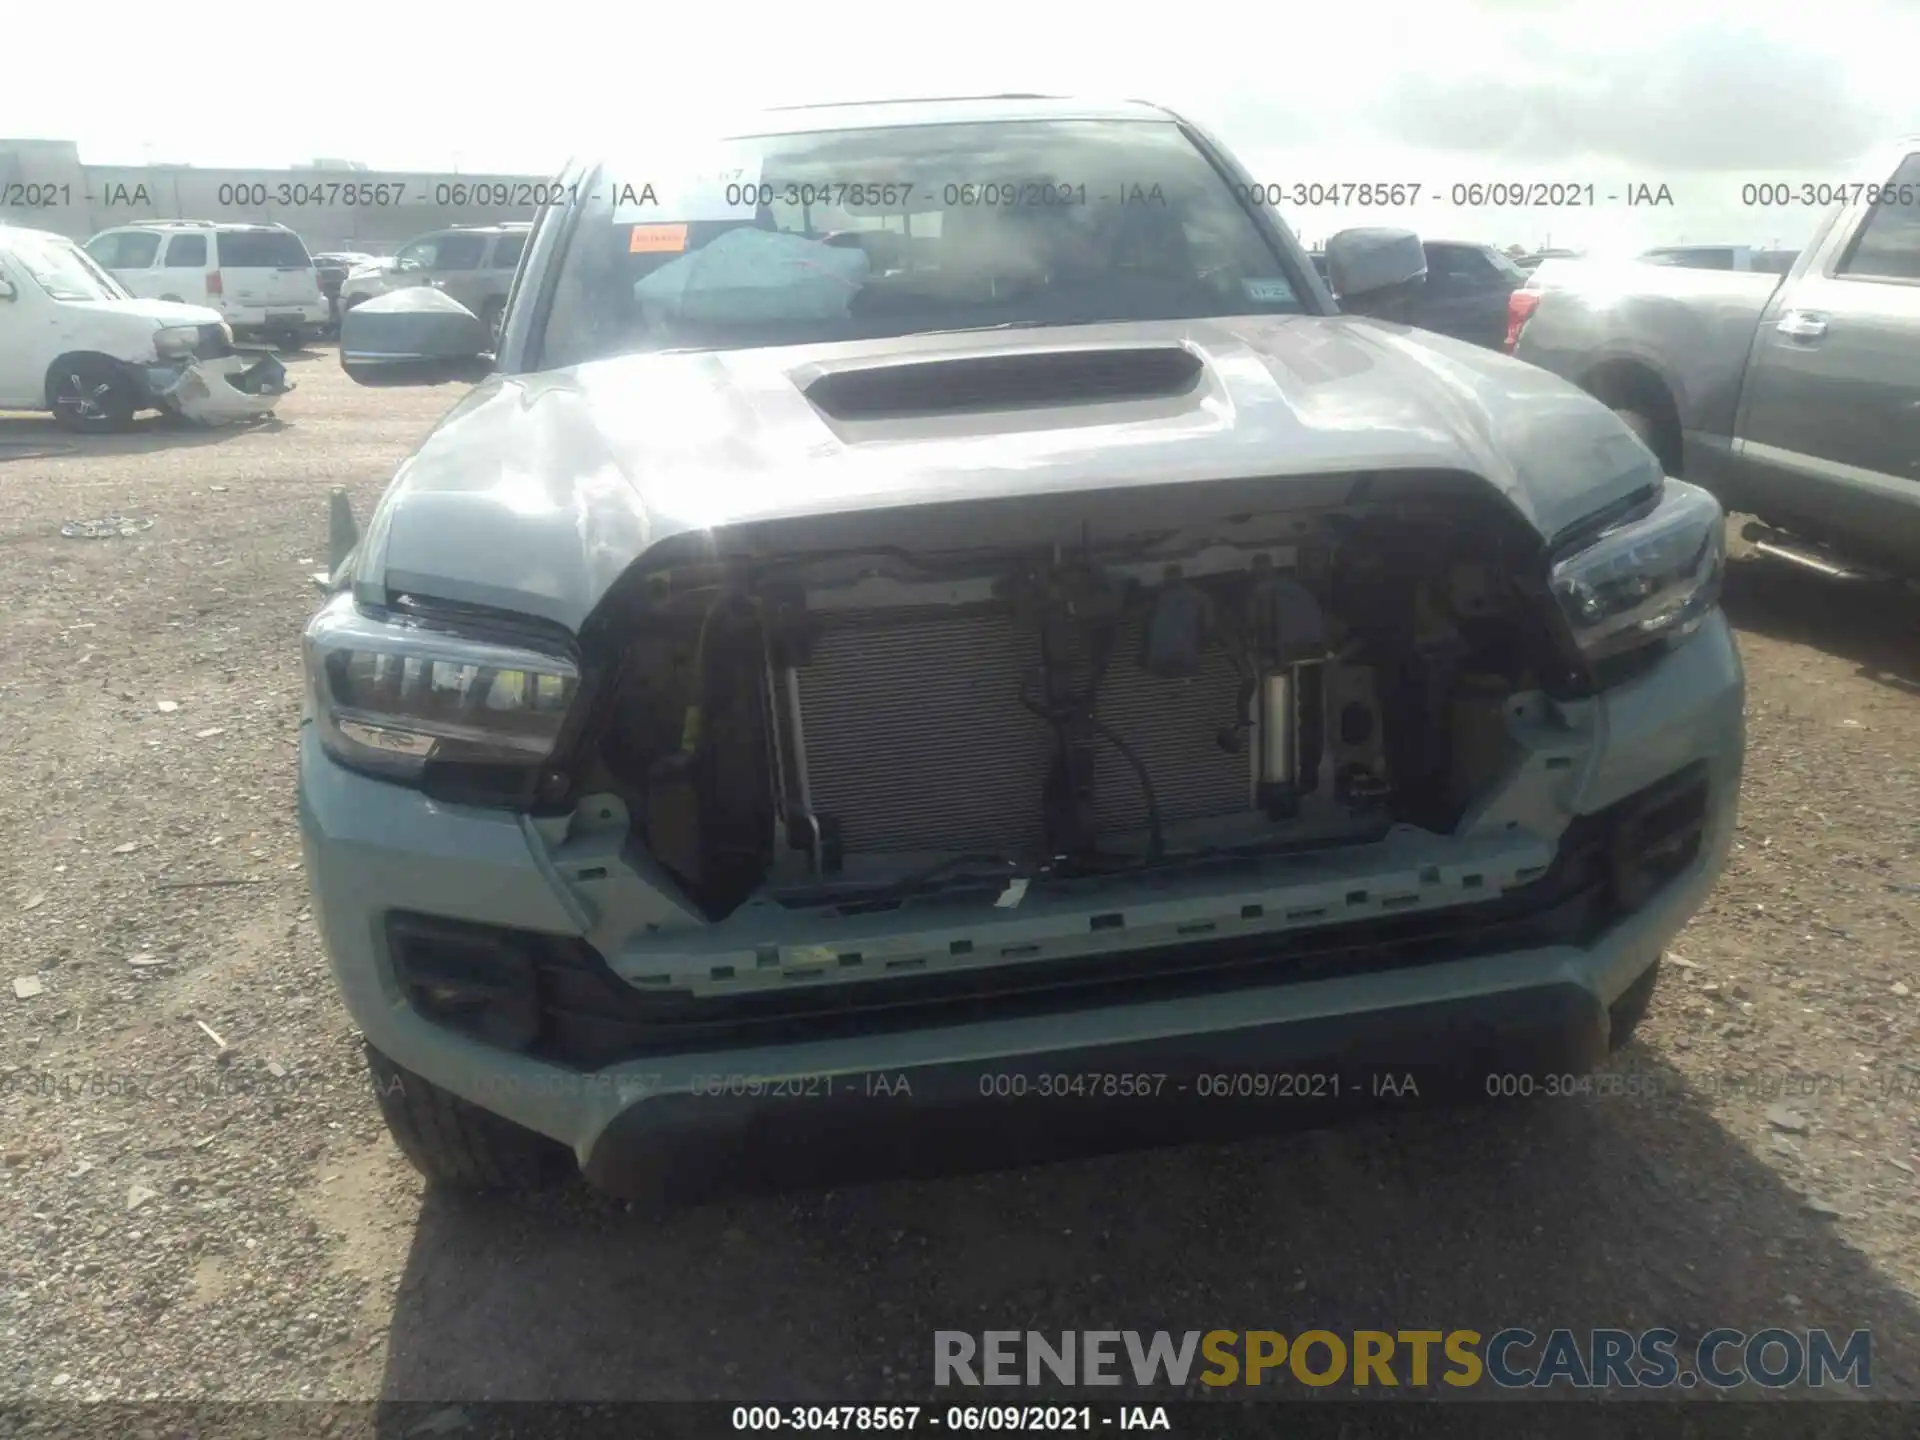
[{"x": 537, "y": 491}]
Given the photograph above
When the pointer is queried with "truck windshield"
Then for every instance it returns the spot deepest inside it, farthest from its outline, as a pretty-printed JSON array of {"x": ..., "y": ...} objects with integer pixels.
[
  {"x": 62, "y": 269},
  {"x": 806, "y": 238}
]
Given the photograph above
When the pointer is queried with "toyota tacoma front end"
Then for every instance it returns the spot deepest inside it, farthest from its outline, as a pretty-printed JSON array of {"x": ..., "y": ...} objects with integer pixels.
[{"x": 895, "y": 748}]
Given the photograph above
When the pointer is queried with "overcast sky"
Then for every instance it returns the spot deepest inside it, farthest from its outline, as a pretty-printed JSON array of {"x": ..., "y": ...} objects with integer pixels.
[{"x": 1694, "y": 94}]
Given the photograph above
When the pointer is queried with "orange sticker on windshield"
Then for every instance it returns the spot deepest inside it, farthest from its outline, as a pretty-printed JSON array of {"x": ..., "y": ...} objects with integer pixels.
[{"x": 657, "y": 240}]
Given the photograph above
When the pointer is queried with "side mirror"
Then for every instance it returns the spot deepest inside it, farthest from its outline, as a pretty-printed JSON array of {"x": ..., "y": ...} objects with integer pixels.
[
  {"x": 7, "y": 292},
  {"x": 1372, "y": 259},
  {"x": 415, "y": 336}
]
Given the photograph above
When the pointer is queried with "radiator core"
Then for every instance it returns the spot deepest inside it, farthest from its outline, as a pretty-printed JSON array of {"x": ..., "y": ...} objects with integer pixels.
[{"x": 915, "y": 739}]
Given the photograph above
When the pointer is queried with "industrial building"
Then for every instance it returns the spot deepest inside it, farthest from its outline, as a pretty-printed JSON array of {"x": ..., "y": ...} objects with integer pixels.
[{"x": 332, "y": 204}]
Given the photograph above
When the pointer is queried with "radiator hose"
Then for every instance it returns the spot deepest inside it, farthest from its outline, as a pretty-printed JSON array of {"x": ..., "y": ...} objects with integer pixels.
[
  {"x": 1156, "y": 842},
  {"x": 1076, "y": 712}
]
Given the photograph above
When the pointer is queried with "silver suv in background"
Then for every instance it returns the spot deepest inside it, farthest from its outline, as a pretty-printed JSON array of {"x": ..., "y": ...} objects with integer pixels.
[{"x": 473, "y": 264}]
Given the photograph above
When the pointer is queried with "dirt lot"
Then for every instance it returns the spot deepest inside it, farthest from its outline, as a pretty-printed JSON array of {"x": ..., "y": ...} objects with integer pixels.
[{"x": 183, "y": 1220}]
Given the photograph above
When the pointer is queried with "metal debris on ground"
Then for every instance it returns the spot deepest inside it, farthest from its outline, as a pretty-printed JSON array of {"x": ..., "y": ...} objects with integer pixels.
[{"x": 105, "y": 528}]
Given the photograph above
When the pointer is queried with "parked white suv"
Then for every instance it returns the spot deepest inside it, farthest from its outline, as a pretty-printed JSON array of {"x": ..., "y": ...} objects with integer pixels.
[
  {"x": 259, "y": 277},
  {"x": 73, "y": 341}
]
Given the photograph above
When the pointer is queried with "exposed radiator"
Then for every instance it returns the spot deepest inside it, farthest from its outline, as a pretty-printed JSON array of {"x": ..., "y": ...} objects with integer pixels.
[{"x": 915, "y": 739}]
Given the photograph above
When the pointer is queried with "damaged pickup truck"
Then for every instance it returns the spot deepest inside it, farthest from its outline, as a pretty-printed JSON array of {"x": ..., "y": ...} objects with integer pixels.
[
  {"x": 74, "y": 341},
  {"x": 1793, "y": 397},
  {"x": 986, "y": 663}
]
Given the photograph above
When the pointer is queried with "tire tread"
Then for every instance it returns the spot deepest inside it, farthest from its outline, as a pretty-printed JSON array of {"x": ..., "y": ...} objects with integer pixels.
[{"x": 456, "y": 1143}]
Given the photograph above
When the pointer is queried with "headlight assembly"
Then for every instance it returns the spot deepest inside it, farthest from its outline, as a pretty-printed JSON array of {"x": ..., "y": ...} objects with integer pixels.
[
  {"x": 1653, "y": 578},
  {"x": 175, "y": 341},
  {"x": 391, "y": 693}
]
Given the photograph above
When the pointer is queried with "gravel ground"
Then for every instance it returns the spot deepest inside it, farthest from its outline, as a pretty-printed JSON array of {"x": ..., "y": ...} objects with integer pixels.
[{"x": 198, "y": 1200}]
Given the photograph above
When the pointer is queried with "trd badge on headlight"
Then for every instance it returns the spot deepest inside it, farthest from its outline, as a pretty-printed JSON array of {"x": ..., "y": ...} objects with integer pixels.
[{"x": 391, "y": 692}]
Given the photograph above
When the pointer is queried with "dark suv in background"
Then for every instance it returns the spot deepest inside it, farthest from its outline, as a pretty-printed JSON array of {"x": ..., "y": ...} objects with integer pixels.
[
  {"x": 331, "y": 269},
  {"x": 1464, "y": 293}
]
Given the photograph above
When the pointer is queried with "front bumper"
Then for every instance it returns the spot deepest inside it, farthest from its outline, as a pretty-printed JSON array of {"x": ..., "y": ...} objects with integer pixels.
[
  {"x": 219, "y": 391},
  {"x": 1120, "y": 1069},
  {"x": 1225, "y": 1073}
]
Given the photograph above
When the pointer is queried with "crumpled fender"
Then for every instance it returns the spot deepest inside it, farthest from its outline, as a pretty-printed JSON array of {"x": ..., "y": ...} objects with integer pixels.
[{"x": 229, "y": 389}]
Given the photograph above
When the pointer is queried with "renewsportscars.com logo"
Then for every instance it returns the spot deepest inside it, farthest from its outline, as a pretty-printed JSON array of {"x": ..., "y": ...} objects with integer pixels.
[{"x": 1512, "y": 1358}]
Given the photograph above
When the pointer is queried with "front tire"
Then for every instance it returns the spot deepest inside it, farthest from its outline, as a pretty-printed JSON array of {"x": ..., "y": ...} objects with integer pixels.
[
  {"x": 1642, "y": 425},
  {"x": 91, "y": 395},
  {"x": 454, "y": 1142},
  {"x": 492, "y": 314}
]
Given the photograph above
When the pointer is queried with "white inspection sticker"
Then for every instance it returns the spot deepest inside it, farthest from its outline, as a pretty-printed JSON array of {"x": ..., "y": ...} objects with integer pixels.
[
  {"x": 722, "y": 184},
  {"x": 1015, "y": 892},
  {"x": 1270, "y": 290}
]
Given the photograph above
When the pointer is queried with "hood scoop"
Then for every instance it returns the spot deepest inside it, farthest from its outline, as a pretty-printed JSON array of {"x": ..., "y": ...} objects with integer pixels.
[{"x": 976, "y": 384}]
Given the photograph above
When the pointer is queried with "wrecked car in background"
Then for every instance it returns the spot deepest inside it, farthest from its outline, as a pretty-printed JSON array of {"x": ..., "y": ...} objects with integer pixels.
[
  {"x": 1792, "y": 398},
  {"x": 73, "y": 341},
  {"x": 986, "y": 665}
]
